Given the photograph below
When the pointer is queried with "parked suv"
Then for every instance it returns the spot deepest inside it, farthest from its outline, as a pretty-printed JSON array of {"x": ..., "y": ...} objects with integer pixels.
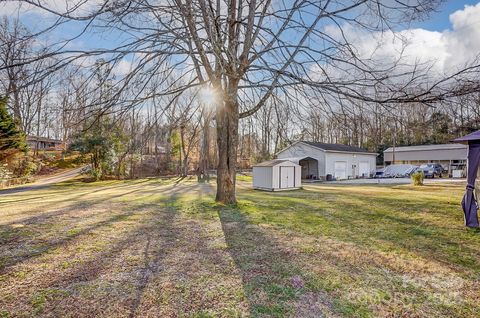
[{"x": 431, "y": 170}]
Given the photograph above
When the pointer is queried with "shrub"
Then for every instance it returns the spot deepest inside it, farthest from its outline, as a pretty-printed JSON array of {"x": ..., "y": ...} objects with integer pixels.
[
  {"x": 417, "y": 178},
  {"x": 31, "y": 168},
  {"x": 26, "y": 168},
  {"x": 79, "y": 160},
  {"x": 96, "y": 174}
]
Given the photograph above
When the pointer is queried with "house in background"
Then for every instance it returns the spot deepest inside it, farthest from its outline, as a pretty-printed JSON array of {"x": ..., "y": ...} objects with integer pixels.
[
  {"x": 322, "y": 161},
  {"x": 42, "y": 143}
]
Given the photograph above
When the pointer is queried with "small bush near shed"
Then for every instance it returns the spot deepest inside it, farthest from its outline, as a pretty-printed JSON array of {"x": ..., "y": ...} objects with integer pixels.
[{"x": 417, "y": 178}]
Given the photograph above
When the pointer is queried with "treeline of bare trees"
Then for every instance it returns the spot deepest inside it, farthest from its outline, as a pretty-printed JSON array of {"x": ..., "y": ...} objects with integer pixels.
[
  {"x": 27, "y": 93},
  {"x": 279, "y": 70},
  {"x": 175, "y": 134},
  {"x": 168, "y": 135},
  {"x": 368, "y": 125}
]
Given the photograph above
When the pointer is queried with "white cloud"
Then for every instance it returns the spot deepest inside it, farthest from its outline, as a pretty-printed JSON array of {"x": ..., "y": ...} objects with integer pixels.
[
  {"x": 447, "y": 50},
  {"x": 463, "y": 42},
  {"x": 122, "y": 68},
  {"x": 14, "y": 7}
]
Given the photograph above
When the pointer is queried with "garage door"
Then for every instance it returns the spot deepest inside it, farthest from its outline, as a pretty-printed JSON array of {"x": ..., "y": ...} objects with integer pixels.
[
  {"x": 340, "y": 169},
  {"x": 287, "y": 177},
  {"x": 364, "y": 169}
]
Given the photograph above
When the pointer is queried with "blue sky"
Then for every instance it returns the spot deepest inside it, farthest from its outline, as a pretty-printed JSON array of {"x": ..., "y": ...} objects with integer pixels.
[
  {"x": 439, "y": 21},
  {"x": 433, "y": 39}
]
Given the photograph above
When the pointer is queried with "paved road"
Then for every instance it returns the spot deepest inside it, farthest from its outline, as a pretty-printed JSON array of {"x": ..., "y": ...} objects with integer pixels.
[{"x": 44, "y": 182}]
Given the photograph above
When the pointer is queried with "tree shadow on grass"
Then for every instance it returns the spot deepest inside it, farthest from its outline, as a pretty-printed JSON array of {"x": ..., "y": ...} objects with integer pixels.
[
  {"x": 60, "y": 187},
  {"x": 81, "y": 200},
  {"x": 26, "y": 236},
  {"x": 89, "y": 270},
  {"x": 375, "y": 222},
  {"x": 275, "y": 285},
  {"x": 64, "y": 193},
  {"x": 150, "y": 263},
  {"x": 24, "y": 232},
  {"x": 72, "y": 203},
  {"x": 152, "y": 239},
  {"x": 268, "y": 265}
]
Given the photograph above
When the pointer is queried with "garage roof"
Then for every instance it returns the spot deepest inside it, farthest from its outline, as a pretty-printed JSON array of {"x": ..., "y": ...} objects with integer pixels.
[
  {"x": 335, "y": 147},
  {"x": 427, "y": 147}
]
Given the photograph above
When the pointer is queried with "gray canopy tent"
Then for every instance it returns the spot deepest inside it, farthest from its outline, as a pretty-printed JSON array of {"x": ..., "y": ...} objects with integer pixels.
[{"x": 469, "y": 202}]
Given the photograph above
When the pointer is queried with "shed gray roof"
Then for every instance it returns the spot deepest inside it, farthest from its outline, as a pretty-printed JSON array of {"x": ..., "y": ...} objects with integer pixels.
[
  {"x": 427, "y": 147},
  {"x": 270, "y": 163},
  {"x": 335, "y": 147}
]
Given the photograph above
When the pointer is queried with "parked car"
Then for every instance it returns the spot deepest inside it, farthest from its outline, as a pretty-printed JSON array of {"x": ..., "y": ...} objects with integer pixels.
[
  {"x": 431, "y": 170},
  {"x": 379, "y": 173}
]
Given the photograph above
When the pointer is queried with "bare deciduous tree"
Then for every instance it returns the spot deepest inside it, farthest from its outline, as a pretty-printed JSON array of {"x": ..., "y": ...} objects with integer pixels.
[{"x": 249, "y": 51}]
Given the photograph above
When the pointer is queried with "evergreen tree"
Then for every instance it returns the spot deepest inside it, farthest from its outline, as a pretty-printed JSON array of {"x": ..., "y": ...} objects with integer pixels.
[
  {"x": 105, "y": 142},
  {"x": 11, "y": 138}
]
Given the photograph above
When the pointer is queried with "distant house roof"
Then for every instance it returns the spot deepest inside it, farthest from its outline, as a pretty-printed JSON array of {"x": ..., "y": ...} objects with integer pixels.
[
  {"x": 427, "y": 147},
  {"x": 335, "y": 147},
  {"x": 270, "y": 163}
]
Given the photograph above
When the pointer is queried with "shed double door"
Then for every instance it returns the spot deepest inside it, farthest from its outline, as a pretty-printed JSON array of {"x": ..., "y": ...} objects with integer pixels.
[{"x": 287, "y": 177}]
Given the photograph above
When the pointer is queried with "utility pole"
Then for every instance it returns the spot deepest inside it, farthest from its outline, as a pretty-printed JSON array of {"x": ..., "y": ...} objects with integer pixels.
[{"x": 394, "y": 142}]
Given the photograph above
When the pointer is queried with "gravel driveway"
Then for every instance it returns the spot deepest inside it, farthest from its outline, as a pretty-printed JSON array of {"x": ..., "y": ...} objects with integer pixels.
[{"x": 395, "y": 181}]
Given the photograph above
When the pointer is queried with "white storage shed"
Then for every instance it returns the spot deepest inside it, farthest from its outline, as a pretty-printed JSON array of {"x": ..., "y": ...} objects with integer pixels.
[{"x": 277, "y": 175}]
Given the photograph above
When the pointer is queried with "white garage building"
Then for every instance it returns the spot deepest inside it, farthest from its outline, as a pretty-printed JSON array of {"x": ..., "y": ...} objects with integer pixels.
[
  {"x": 275, "y": 175},
  {"x": 445, "y": 154},
  {"x": 320, "y": 161}
]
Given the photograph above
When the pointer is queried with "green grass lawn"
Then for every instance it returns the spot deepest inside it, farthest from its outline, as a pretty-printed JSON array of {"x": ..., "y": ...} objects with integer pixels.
[{"x": 163, "y": 248}]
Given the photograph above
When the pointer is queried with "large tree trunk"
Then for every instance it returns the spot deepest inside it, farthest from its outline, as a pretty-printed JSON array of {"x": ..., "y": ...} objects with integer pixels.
[
  {"x": 227, "y": 138},
  {"x": 183, "y": 150},
  {"x": 204, "y": 162},
  {"x": 185, "y": 166}
]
